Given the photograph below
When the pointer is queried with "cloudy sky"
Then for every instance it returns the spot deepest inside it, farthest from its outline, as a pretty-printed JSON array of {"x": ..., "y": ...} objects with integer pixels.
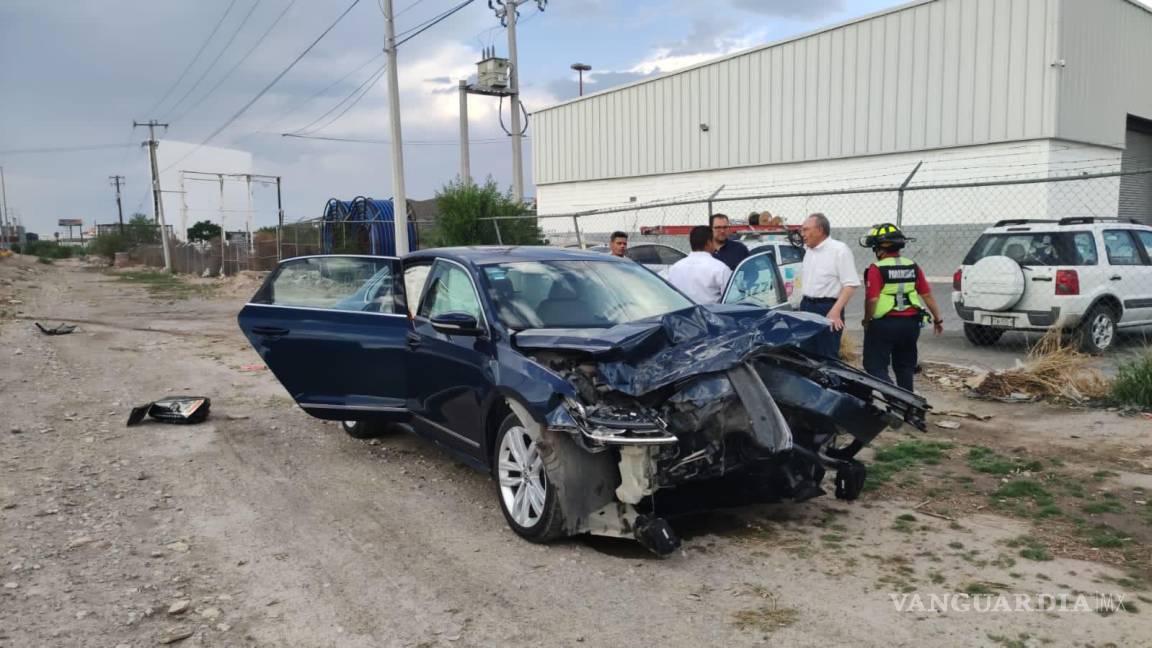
[{"x": 76, "y": 73}]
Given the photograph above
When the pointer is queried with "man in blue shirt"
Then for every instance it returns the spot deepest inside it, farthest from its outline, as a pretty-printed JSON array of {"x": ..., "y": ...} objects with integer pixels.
[{"x": 730, "y": 252}]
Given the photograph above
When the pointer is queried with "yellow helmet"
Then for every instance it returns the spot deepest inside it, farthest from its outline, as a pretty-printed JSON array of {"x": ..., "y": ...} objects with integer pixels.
[{"x": 885, "y": 235}]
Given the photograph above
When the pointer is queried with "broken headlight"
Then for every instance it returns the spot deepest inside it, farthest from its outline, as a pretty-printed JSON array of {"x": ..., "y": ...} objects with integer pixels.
[{"x": 609, "y": 424}]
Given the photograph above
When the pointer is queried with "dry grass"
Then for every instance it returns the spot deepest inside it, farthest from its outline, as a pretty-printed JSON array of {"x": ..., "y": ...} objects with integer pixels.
[
  {"x": 1054, "y": 369},
  {"x": 848, "y": 352},
  {"x": 766, "y": 618}
]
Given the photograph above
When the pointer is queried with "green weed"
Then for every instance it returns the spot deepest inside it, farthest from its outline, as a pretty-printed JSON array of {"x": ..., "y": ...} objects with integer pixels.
[
  {"x": 1133, "y": 384},
  {"x": 985, "y": 460}
]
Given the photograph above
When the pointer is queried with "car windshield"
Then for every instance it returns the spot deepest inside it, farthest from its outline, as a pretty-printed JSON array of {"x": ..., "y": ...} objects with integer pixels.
[
  {"x": 577, "y": 294},
  {"x": 1037, "y": 248}
]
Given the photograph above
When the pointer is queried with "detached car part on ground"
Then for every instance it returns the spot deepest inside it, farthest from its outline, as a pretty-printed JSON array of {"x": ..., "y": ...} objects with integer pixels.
[{"x": 601, "y": 399}]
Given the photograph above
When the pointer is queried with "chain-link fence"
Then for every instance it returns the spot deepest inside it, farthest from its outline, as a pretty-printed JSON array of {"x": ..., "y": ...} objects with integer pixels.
[{"x": 1097, "y": 284}]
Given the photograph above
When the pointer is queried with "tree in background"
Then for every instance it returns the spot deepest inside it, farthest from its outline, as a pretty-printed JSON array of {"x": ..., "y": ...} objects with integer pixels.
[
  {"x": 463, "y": 205},
  {"x": 140, "y": 229},
  {"x": 203, "y": 231}
]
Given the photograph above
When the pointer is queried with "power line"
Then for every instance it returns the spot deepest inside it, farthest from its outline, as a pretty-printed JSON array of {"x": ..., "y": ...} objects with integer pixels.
[
  {"x": 243, "y": 58},
  {"x": 212, "y": 65},
  {"x": 405, "y": 9},
  {"x": 199, "y": 52},
  {"x": 407, "y": 142},
  {"x": 359, "y": 93},
  {"x": 428, "y": 24},
  {"x": 323, "y": 90},
  {"x": 266, "y": 88}
]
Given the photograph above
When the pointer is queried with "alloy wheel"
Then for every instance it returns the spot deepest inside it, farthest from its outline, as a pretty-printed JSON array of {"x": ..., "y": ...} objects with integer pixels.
[
  {"x": 523, "y": 484},
  {"x": 1102, "y": 331}
]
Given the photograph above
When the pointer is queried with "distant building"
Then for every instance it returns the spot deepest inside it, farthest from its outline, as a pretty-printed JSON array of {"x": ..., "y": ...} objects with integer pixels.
[{"x": 1037, "y": 85}]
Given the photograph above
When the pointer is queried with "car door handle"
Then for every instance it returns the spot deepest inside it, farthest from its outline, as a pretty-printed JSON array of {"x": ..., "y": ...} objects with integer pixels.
[
  {"x": 413, "y": 341},
  {"x": 270, "y": 331},
  {"x": 1115, "y": 278},
  {"x": 1041, "y": 278}
]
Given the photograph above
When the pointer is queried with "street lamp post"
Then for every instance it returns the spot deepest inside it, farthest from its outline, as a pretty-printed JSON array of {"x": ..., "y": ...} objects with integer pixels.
[{"x": 581, "y": 68}]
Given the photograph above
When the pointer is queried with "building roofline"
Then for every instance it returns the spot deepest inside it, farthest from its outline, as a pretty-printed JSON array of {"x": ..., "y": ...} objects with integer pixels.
[
  {"x": 1140, "y": 5},
  {"x": 776, "y": 43}
]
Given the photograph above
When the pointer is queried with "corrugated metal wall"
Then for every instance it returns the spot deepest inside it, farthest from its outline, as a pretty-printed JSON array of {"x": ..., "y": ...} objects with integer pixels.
[
  {"x": 1136, "y": 190},
  {"x": 1107, "y": 48},
  {"x": 935, "y": 74}
]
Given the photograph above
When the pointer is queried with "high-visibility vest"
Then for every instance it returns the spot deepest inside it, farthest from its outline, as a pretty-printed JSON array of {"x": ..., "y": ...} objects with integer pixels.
[{"x": 897, "y": 286}]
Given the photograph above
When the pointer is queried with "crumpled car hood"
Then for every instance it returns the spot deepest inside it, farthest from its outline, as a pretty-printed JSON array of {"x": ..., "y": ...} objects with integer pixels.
[{"x": 639, "y": 357}]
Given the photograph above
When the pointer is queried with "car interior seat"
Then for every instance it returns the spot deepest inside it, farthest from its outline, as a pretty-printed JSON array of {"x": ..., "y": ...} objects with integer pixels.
[
  {"x": 561, "y": 305},
  {"x": 1015, "y": 251}
]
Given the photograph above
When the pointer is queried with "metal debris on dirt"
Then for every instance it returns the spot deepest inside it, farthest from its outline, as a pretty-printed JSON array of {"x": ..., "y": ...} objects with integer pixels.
[
  {"x": 59, "y": 329},
  {"x": 964, "y": 415},
  {"x": 253, "y": 367},
  {"x": 174, "y": 409},
  {"x": 947, "y": 425}
]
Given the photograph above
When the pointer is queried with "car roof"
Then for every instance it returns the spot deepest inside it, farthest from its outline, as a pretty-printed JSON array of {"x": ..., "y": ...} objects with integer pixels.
[
  {"x": 488, "y": 254},
  {"x": 1080, "y": 224}
]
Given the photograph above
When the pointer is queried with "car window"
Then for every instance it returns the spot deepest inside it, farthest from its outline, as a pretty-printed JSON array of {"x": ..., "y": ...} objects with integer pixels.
[
  {"x": 577, "y": 294},
  {"x": 414, "y": 278},
  {"x": 754, "y": 282},
  {"x": 668, "y": 255},
  {"x": 1145, "y": 238},
  {"x": 450, "y": 291},
  {"x": 643, "y": 254},
  {"x": 791, "y": 254},
  {"x": 1121, "y": 249},
  {"x": 333, "y": 283},
  {"x": 1036, "y": 248}
]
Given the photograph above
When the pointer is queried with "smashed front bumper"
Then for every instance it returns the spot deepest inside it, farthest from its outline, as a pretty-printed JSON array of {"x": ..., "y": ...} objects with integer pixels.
[{"x": 779, "y": 420}]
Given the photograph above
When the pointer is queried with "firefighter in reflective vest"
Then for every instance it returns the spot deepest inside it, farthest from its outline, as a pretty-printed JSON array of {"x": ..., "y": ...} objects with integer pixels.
[{"x": 898, "y": 301}]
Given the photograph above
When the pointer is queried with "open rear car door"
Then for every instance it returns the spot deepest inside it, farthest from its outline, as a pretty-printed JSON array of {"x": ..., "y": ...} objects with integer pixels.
[{"x": 333, "y": 330}]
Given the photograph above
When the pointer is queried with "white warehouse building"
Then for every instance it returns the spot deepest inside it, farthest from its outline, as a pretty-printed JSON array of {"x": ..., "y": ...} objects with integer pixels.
[{"x": 976, "y": 90}]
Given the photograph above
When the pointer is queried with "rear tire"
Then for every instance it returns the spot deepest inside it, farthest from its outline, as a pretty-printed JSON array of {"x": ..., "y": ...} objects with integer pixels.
[
  {"x": 526, "y": 483},
  {"x": 981, "y": 335},
  {"x": 363, "y": 429},
  {"x": 1097, "y": 332}
]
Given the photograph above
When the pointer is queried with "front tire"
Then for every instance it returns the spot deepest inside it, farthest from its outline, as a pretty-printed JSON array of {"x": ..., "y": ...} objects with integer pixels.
[
  {"x": 525, "y": 485},
  {"x": 1097, "y": 332},
  {"x": 981, "y": 335}
]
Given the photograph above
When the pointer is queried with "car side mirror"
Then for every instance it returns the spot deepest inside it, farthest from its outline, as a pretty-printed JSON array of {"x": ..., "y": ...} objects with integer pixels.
[{"x": 457, "y": 324}]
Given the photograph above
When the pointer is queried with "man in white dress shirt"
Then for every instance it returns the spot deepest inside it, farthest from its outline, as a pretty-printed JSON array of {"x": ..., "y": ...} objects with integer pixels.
[
  {"x": 828, "y": 279},
  {"x": 700, "y": 275}
]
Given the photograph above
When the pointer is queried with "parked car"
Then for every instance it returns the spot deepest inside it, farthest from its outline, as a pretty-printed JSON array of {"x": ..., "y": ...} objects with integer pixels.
[
  {"x": 787, "y": 256},
  {"x": 583, "y": 383},
  {"x": 1088, "y": 276},
  {"x": 657, "y": 257}
]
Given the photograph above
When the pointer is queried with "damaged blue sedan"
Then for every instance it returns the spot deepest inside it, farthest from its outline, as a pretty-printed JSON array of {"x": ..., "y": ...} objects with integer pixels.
[{"x": 585, "y": 384}]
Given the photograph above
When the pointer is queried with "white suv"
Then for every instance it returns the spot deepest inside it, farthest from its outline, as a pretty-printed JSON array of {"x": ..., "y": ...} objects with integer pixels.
[{"x": 1088, "y": 276}]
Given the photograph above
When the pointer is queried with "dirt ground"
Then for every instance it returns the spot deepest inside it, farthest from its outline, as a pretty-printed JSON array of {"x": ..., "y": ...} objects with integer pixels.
[{"x": 265, "y": 527}]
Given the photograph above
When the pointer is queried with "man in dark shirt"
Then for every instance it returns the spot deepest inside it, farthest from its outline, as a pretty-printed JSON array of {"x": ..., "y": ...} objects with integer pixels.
[{"x": 730, "y": 252}]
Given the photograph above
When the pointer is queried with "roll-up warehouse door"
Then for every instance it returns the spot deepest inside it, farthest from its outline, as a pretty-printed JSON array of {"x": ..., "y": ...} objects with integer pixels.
[{"x": 1136, "y": 190}]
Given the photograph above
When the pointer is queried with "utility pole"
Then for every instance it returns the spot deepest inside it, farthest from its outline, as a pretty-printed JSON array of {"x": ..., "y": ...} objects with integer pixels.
[
  {"x": 119, "y": 206},
  {"x": 399, "y": 197},
  {"x": 465, "y": 166},
  {"x": 157, "y": 202},
  {"x": 506, "y": 11},
  {"x": 5, "y": 216},
  {"x": 279, "y": 223}
]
